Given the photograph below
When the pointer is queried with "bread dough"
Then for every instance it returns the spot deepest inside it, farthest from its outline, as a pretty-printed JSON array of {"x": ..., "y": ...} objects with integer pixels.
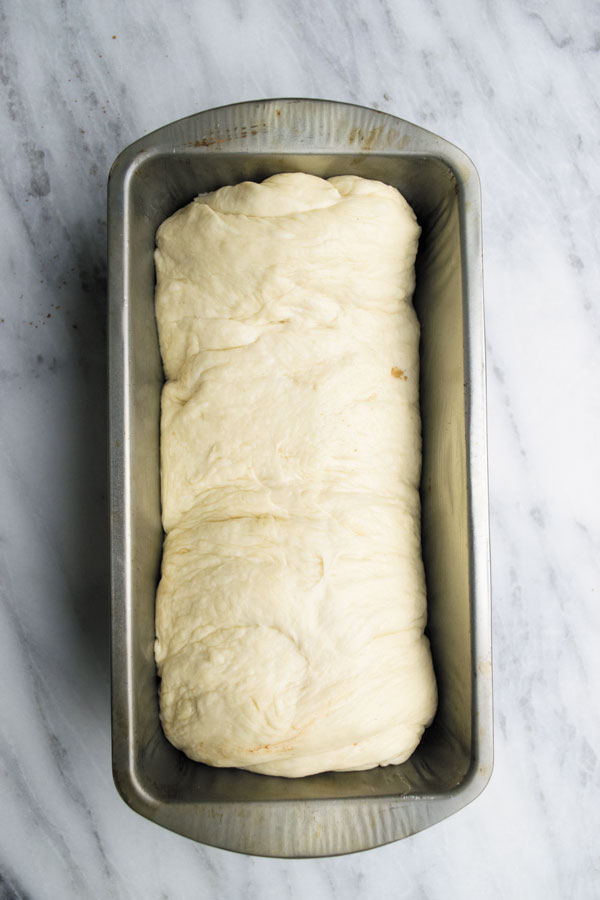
[{"x": 291, "y": 606}]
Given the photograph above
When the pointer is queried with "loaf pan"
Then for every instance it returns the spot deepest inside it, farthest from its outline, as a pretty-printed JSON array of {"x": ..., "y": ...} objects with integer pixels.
[{"x": 332, "y": 813}]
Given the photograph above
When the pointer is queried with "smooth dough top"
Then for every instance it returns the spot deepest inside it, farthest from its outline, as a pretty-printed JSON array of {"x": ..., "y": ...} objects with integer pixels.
[{"x": 291, "y": 607}]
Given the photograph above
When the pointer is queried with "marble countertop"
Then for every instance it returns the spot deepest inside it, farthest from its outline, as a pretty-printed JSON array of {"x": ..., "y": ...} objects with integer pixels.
[{"x": 515, "y": 86}]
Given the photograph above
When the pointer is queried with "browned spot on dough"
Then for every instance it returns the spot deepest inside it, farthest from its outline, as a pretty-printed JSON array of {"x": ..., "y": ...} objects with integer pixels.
[{"x": 399, "y": 373}]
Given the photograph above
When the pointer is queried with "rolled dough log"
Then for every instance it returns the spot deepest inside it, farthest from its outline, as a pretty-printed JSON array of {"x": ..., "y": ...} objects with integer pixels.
[{"x": 291, "y": 607}]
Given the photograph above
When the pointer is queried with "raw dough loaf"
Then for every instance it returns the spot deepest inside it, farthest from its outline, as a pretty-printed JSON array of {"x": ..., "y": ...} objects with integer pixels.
[{"x": 291, "y": 608}]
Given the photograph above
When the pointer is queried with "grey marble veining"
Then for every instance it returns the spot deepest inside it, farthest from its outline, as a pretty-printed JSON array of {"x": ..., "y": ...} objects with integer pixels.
[{"x": 515, "y": 86}]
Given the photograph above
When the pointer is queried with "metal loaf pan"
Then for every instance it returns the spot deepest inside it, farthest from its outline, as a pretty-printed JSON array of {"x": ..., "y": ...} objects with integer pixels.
[{"x": 332, "y": 813}]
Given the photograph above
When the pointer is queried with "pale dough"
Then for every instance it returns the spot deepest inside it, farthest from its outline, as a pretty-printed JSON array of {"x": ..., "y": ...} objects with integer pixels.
[{"x": 291, "y": 608}]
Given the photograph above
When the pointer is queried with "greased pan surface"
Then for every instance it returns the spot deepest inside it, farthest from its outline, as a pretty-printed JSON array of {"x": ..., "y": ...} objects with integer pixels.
[{"x": 332, "y": 813}]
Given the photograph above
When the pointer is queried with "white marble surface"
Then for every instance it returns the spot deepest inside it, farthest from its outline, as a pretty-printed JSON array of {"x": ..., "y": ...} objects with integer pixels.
[{"x": 515, "y": 84}]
